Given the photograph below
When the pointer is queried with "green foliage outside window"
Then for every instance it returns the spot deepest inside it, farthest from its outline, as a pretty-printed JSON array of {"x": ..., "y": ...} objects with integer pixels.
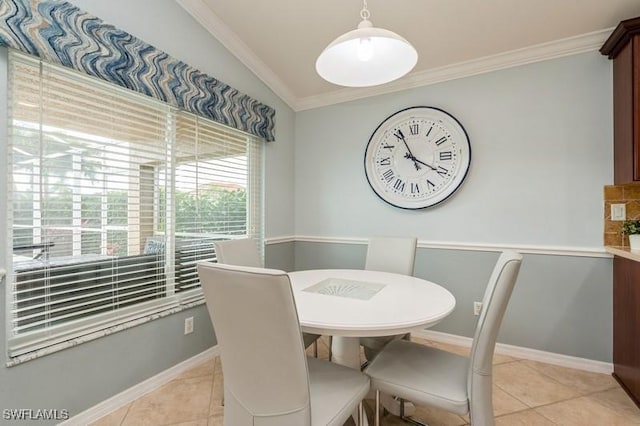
[{"x": 213, "y": 210}]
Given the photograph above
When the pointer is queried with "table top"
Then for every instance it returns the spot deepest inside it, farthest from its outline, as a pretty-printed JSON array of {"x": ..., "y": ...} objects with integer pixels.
[{"x": 359, "y": 303}]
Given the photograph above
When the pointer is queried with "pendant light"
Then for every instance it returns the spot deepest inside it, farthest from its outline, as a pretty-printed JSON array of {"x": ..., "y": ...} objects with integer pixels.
[{"x": 367, "y": 56}]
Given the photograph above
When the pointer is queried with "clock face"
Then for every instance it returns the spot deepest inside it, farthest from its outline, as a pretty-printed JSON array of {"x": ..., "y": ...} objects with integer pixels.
[{"x": 417, "y": 157}]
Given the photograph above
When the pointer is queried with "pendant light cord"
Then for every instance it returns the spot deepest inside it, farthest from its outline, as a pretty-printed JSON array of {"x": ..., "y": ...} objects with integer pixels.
[{"x": 364, "y": 13}]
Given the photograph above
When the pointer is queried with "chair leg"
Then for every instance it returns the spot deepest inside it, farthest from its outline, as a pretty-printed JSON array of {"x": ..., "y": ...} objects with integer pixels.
[
  {"x": 315, "y": 349},
  {"x": 377, "y": 421},
  {"x": 360, "y": 414},
  {"x": 330, "y": 344},
  {"x": 408, "y": 419}
]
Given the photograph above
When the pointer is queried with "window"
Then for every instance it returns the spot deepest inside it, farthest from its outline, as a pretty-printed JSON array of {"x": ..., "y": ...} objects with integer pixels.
[{"x": 113, "y": 199}]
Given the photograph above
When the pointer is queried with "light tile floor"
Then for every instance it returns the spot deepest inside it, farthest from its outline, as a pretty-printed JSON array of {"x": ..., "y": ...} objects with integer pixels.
[{"x": 525, "y": 393}]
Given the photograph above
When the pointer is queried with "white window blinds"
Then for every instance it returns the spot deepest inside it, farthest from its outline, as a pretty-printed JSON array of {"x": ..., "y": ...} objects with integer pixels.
[{"x": 113, "y": 199}]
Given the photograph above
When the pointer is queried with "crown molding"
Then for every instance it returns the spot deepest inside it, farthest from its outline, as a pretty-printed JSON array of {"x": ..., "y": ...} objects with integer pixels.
[
  {"x": 216, "y": 27},
  {"x": 541, "y": 52},
  {"x": 619, "y": 38}
]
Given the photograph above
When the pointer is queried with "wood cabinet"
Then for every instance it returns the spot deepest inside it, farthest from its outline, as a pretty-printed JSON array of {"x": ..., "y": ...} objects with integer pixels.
[
  {"x": 623, "y": 47},
  {"x": 626, "y": 325}
]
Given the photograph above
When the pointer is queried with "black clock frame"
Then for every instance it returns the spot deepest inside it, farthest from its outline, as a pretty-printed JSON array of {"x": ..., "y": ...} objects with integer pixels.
[{"x": 451, "y": 193}]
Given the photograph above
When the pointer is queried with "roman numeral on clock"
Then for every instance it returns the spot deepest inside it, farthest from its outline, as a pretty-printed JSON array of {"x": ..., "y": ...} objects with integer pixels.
[
  {"x": 430, "y": 185},
  {"x": 385, "y": 161},
  {"x": 415, "y": 189},
  {"x": 442, "y": 171},
  {"x": 441, "y": 140},
  {"x": 387, "y": 146},
  {"x": 414, "y": 128},
  {"x": 398, "y": 185},
  {"x": 446, "y": 155},
  {"x": 388, "y": 175}
]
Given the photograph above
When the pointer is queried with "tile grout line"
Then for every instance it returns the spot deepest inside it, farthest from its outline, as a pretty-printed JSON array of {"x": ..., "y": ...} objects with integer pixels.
[
  {"x": 621, "y": 413},
  {"x": 554, "y": 402},
  {"x": 213, "y": 389},
  {"x": 543, "y": 416},
  {"x": 126, "y": 414},
  {"x": 585, "y": 395}
]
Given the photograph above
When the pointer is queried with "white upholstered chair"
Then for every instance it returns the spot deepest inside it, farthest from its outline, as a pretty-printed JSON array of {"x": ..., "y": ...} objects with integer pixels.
[
  {"x": 388, "y": 254},
  {"x": 391, "y": 254},
  {"x": 244, "y": 252},
  {"x": 268, "y": 380},
  {"x": 433, "y": 377},
  {"x": 241, "y": 252}
]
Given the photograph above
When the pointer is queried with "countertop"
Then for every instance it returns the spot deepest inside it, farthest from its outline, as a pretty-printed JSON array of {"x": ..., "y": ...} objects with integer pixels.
[{"x": 624, "y": 252}]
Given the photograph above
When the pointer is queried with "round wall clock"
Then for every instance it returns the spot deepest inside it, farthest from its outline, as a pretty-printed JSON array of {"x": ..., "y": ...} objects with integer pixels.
[{"x": 417, "y": 157}]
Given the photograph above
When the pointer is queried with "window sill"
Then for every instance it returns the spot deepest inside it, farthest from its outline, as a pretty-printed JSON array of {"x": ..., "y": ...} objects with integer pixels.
[{"x": 98, "y": 334}]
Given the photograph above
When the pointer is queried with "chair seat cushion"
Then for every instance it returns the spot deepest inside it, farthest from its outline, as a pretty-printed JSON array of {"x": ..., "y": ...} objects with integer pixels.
[
  {"x": 422, "y": 374},
  {"x": 335, "y": 391}
]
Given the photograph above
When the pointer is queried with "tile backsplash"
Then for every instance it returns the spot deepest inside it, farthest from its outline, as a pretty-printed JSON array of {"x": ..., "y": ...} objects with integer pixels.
[{"x": 629, "y": 195}]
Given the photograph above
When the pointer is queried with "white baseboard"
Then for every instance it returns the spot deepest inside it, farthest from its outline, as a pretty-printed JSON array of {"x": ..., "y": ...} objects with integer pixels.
[
  {"x": 129, "y": 395},
  {"x": 125, "y": 397},
  {"x": 523, "y": 353}
]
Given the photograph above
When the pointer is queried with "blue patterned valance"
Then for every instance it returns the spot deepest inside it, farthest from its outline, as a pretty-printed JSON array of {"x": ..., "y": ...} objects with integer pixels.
[{"x": 59, "y": 32}]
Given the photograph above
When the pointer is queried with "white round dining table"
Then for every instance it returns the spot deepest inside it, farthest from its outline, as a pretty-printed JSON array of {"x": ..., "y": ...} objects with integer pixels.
[{"x": 351, "y": 303}]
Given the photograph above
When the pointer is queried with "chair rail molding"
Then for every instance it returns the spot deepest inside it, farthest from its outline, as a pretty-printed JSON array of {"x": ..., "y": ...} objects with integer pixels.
[{"x": 552, "y": 250}]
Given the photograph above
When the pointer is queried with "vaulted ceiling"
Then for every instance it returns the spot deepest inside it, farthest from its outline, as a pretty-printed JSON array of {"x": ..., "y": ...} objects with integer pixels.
[{"x": 279, "y": 40}]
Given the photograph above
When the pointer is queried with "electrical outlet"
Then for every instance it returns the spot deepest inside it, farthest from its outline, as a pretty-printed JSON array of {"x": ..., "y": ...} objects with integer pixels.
[
  {"x": 188, "y": 325},
  {"x": 477, "y": 307},
  {"x": 618, "y": 212}
]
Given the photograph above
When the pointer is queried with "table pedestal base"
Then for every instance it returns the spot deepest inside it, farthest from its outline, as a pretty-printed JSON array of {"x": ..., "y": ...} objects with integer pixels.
[{"x": 346, "y": 351}]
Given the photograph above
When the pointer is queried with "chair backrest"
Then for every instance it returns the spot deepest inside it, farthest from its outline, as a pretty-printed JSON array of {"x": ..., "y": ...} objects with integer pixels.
[
  {"x": 263, "y": 360},
  {"x": 391, "y": 254},
  {"x": 494, "y": 304},
  {"x": 242, "y": 252}
]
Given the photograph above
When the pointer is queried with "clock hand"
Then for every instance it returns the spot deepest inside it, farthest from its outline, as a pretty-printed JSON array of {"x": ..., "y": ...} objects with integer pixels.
[
  {"x": 415, "y": 161},
  {"x": 421, "y": 162},
  {"x": 398, "y": 134}
]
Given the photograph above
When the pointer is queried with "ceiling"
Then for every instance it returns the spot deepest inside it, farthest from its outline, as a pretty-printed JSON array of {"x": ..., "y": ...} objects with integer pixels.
[{"x": 279, "y": 40}]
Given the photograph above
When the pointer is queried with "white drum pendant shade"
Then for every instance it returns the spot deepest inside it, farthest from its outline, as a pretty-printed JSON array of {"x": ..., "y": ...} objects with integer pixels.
[{"x": 367, "y": 56}]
